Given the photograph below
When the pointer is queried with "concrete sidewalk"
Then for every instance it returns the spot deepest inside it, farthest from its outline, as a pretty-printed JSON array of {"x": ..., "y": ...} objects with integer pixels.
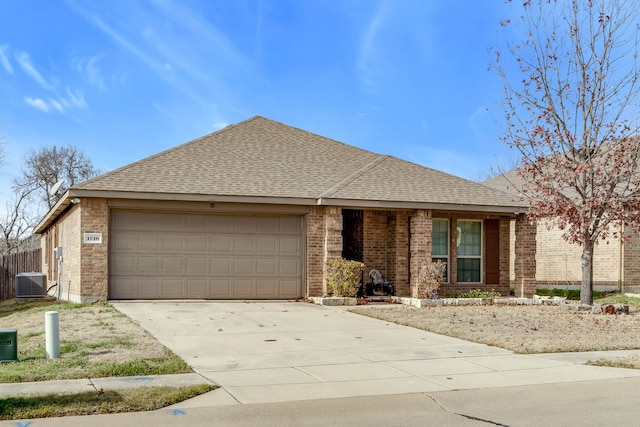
[{"x": 263, "y": 352}]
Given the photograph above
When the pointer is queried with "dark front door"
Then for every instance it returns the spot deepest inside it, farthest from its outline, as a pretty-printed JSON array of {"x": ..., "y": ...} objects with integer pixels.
[{"x": 352, "y": 235}]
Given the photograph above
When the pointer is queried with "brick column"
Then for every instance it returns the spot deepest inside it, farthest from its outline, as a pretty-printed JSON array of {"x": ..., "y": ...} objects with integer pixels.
[
  {"x": 332, "y": 240},
  {"x": 315, "y": 251},
  {"x": 525, "y": 262},
  {"x": 94, "y": 281},
  {"x": 401, "y": 278},
  {"x": 505, "y": 255},
  {"x": 420, "y": 244}
]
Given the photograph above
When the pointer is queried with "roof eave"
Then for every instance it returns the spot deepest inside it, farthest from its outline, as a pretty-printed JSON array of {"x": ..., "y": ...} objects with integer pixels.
[
  {"x": 383, "y": 204},
  {"x": 65, "y": 201},
  {"x": 60, "y": 206}
]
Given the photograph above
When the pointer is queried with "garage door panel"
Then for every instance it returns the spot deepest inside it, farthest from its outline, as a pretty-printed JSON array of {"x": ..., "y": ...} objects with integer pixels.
[
  {"x": 173, "y": 222},
  {"x": 159, "y": 255},
  {"x": 127, "y": 288},
  {"x": 173, "y": 288},
  {"x": 289, "y": 267},
  {"x": 267, "y": 267},
  {"x": 173, "y": 266},
  {"x": 197, "y": 244},
  {"x": 148, "y": 242},
  {"x": 220, "y": 224},
  {"x": 197, "y": 288},
  {"x": 243, "y": 244},
  {"x": 243, "y": 288},
  {"x": 197, "y": 266},
  {"x": 289, "y": 245},
  {"x": 288, "y": 287},
  {"x": 149, "y": 288},
  {"x": 267, "y": 245},
  {"x": 267, "y": 225},
  {"x": 124, "y": 264},
  {"x": 243, "y": 266},
  {"x": 149, "y": 264},
  {"x": 124, "y": 241},
  {"x": 221, "y": 244},
  {"x": 290, "y": 225},
  {"x": 221, "y": 267},
  {"x": 220, "y": 288},
  {"x": 243, "y": 224},
  {"x": 174, "y": 243},
  {"x": 266, "y": 288}
]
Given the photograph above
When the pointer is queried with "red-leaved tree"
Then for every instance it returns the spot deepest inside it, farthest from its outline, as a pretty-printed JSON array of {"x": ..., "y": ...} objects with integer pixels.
[{"x": 569, "y": 98}]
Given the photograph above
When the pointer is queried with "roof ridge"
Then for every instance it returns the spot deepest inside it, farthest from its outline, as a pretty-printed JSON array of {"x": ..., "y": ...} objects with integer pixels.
[
  {"x": 164, "y": 152},
  {"x": 356, "y": 174}
]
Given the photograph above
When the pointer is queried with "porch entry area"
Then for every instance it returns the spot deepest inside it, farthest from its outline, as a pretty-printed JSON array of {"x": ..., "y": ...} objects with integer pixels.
[{"x": 474, "y": 247}]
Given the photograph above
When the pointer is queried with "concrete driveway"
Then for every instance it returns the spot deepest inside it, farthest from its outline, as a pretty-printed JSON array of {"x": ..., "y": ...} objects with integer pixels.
[{"x": 262, "y": 352}]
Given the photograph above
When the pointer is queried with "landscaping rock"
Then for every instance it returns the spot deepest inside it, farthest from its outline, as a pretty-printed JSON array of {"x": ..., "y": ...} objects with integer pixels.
[{"x": 614, "y": 309}]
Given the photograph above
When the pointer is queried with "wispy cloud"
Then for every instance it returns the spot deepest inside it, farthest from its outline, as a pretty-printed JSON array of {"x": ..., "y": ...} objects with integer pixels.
[
  {"x": 369, "y": 47},
  {"x": 56, "y": 102},
  {"x": 77, "y": 98},
  {"x": 24, "y": 60},
  {"x": 90, "y": 71},
  {"x": 37, "y": 103},
  {"x": 185, "y": 66},
  {"x": 4, "y": 60}
]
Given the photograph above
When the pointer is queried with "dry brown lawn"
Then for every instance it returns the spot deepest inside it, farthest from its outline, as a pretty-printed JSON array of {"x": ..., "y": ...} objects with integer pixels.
[{"x": 522, "y": 329}]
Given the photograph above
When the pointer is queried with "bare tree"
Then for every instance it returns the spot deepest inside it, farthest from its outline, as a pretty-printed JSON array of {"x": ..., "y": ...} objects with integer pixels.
[
  {"x": 45, "y": 166},
  {"x": 568, "y": 117},
  {"x": 17, "y": 222}
]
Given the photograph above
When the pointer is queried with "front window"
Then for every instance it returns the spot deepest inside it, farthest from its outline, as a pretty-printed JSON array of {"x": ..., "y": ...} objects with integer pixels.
[
  {"x": 469, "y": 242},
  {"x": 440, "y": 244}
]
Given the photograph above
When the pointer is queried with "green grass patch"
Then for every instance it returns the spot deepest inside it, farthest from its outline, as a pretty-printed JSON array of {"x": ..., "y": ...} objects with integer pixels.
[
  {"x": 571, "y": 294},
  {"x": 92, "y": 403},
  {"x": 619, "y": 298},
  {"x": 35, "y": 367},
  {"x": 105, "y": 345}
]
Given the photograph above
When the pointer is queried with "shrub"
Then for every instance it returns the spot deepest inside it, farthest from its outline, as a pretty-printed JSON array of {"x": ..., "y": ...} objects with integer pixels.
[
  {"x": 344, "y": 276},
  {"x": 475, "y": 293},
  {"x": 430, "y": 279}
]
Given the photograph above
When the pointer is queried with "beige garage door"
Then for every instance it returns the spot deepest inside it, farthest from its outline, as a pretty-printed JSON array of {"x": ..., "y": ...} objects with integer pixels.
[{"x": 168, "y": 255}]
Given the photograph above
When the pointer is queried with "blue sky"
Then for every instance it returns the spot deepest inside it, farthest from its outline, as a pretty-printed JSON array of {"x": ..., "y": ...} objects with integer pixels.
[{"x": 124, "y": 79}]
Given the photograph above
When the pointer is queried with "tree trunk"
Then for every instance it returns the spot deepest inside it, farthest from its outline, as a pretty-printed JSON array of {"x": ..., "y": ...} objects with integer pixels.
[{"x": 586, "y": 290}]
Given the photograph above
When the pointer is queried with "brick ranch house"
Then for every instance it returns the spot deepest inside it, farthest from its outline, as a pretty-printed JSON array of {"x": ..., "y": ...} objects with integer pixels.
[
  {"x": 255, "y": 210},
  {"x": 558, "y": 264}
]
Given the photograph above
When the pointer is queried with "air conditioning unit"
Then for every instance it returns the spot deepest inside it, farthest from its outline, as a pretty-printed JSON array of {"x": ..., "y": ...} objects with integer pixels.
[{"x": 31, "y": 285}]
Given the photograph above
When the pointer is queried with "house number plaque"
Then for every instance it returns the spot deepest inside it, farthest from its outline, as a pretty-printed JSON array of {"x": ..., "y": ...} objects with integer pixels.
[{"x": 95, "y": 238}]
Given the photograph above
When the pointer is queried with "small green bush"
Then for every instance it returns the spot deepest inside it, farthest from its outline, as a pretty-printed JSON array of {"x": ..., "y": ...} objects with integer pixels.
[
  {"x": 344, "y": 276},
  {"x": 475, "y": 293}
]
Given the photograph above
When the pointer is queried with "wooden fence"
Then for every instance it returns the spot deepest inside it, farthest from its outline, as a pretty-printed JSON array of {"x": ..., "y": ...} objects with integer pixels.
[{"x": 12, "y": 264}]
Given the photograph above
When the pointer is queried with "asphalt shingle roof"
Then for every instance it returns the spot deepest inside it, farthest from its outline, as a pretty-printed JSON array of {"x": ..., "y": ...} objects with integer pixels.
[{"x": 263, "y": 158}]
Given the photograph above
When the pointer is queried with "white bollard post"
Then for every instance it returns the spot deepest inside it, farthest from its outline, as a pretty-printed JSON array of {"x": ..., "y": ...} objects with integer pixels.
[{"x": 52, "y": 334}]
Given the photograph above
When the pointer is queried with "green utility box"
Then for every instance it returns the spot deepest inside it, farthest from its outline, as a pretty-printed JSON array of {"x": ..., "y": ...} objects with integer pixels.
[{"x": 8, "y": 345}]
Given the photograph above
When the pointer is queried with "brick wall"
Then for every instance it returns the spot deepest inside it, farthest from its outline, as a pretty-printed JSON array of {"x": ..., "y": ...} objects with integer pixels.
[
  {"x": 558, "y": 263},
  {"x": 70, "y": 240},
  {"x": 315, "y": 251},
  {"x": 399, "y": 274},
  {"x": 421, "y": 227},
  {"x": 525, "y": 257},
  {"x": 95, "y": 257},
  {"x": 376, "y": 243},
  {"x": 631, "y": 258}
]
